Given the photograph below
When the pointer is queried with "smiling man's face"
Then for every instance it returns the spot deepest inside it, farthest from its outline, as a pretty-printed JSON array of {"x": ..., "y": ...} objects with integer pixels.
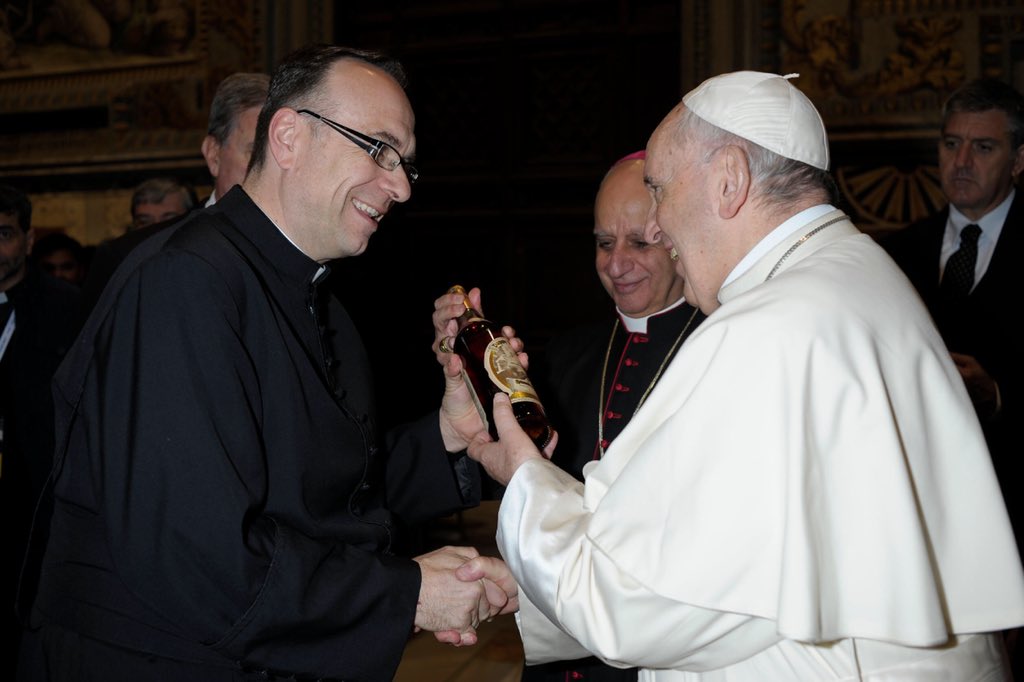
[
  {"x": 639, "y": 276},
  {"x": 341, "y": 194}
]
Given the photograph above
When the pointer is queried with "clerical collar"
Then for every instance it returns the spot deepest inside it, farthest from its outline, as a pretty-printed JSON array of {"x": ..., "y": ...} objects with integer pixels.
[
  {"x": 323, "y": 268},
  {"x": 266, "y": 237},
  {"x": 638, "y": 325},
  {"x": 776, "y": 237}
]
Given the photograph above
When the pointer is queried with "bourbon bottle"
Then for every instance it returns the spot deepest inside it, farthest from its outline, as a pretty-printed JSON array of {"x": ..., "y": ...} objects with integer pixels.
[{"x": 491, "y": 365}]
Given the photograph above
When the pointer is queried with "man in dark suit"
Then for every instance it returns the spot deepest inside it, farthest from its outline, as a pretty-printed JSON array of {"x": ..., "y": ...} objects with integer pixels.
[
  {"x": 36, "y": 329},
  {"x": 597, "y": 377},
  {"x": 963, "y": 261},
  {"x": 232, "y": 128}
]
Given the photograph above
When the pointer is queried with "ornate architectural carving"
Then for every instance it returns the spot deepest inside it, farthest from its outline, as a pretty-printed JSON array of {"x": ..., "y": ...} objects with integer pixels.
[
  {"x": 879, "y": 71},
  {"x": 925, "y": 56},
  {"x": 135, "y": 96},
  {"x": 886, "y": 197},
  {"x": 97, "y": 95}
]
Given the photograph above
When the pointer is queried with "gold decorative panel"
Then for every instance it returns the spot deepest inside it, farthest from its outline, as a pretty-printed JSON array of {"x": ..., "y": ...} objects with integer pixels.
[
  {"x": 97, "y": 95},
  {"x": 103, "y": 86},
  {"x": 879, "y": 71}
]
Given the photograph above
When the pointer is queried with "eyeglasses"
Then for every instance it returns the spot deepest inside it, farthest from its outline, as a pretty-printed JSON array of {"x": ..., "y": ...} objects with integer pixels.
[{"x": 383, "y": 154}]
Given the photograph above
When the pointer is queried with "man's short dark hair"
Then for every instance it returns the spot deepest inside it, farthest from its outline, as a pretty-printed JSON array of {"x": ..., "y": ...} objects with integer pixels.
[
  {"x": 985, "y": 94},
  {"x": 14, "y": 201},
  {"x": 235, "y": 94},
  {"x": 57, "y": 241},
  {"x": 299, "y": 78},
  {"x": 155, "y": 190}
]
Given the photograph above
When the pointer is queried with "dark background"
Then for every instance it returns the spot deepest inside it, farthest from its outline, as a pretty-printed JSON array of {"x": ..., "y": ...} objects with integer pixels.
[{"x": 521, "y": 107}]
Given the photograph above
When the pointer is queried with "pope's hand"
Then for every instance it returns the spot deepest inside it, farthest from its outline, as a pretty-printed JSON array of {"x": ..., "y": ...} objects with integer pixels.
[{"x": 503, "y": 457}]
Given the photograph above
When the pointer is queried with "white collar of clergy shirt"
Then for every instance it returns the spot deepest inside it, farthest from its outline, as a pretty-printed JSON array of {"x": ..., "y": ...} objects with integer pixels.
[
  {"x": 320, "y": 272},
  {"x": 638, "y": 325}
]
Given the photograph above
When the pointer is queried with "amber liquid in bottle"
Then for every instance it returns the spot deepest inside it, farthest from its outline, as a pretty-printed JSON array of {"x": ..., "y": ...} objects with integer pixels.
[{"x": 491, "y": 365}]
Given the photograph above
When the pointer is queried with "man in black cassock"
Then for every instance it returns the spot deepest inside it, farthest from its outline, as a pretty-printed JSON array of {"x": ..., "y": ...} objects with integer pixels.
[{"x": 222, "y": 506}]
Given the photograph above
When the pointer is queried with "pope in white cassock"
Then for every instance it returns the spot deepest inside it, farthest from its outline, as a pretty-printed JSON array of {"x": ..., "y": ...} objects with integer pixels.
[{"x": 806, "y": 494}]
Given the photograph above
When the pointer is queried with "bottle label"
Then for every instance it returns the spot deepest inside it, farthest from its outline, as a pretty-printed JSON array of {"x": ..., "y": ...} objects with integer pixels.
[{"x": 502, "y": 365}]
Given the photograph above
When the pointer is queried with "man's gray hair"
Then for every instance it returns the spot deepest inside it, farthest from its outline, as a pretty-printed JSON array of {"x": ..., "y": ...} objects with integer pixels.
[
  {"x": 986, "y": 94},
  {"x": 155, "y": 190},
  {"x": 774, "y": 179},
  {"x": 235, "y": 94}
]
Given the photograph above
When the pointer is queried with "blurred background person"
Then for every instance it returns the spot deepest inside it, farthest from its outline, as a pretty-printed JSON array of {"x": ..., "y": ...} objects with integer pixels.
[
  {"x": 232, "y": 127},
  {"x": 37, "y": 326},
  {"x": 158, "y": 200},
  {"x": 61, "y": 256}
]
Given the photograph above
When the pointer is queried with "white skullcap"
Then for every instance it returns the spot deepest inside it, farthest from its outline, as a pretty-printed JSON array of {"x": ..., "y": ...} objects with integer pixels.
[{"x": 765, "y": 109}]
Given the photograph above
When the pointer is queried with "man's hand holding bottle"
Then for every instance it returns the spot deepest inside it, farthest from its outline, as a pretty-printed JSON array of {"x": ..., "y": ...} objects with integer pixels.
[
  {"x": 481, "y": 360},
  {"x": 460, "y": 417}
]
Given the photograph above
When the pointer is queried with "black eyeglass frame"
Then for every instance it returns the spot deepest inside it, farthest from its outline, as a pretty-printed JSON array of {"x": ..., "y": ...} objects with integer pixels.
[{"x": 370, "y": 145}]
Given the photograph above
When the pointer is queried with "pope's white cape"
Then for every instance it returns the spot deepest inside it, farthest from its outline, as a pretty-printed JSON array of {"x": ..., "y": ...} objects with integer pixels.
[{"x": 809, "y": 468}]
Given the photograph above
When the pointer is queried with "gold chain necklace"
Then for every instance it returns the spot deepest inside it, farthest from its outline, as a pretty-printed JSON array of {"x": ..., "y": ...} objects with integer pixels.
[
  {"x": 657, "y": 375},
  {"x": 800, "y": 242}
]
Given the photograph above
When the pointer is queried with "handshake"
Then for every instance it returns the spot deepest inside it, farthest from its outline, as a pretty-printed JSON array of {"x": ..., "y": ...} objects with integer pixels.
[{"x": 458, "y": 590}]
